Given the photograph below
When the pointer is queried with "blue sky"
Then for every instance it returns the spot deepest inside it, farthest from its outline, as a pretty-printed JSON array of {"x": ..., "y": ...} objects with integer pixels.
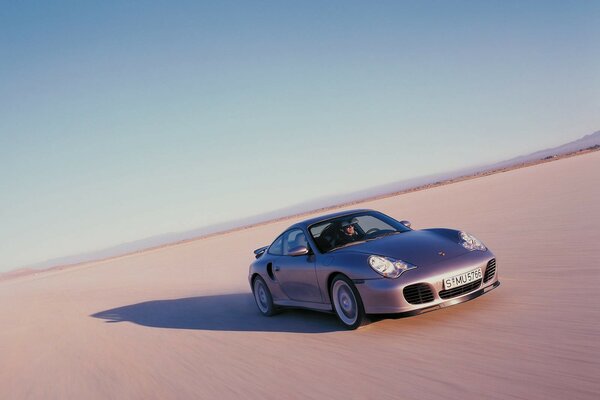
[{"x": 123, "y": 120}]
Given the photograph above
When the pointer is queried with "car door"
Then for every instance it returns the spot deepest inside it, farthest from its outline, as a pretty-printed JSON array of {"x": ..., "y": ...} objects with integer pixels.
[{"x": 296, "y": 274}]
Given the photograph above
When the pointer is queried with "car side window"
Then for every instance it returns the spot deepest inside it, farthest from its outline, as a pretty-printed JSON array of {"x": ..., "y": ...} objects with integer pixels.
[
  {"x": 277, "y": 247},
  {"x": 293, "y": 239}
]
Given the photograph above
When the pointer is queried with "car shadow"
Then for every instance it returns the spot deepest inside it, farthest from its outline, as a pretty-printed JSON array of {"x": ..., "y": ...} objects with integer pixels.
[{"x": 224, "y": 312}]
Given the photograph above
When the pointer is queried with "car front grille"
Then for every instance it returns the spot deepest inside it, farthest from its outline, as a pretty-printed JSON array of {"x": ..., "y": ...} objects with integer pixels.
[
  {"x": 457, "y": 291},
  {"x": 418, "y": 293},
  {"x": 490, "y": 270}
]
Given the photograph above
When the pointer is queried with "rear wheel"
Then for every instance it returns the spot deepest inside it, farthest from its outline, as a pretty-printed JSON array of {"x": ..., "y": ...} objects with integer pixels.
[
  {"x": 262, "y": 296},
  {"x": 347, "y": 303}
]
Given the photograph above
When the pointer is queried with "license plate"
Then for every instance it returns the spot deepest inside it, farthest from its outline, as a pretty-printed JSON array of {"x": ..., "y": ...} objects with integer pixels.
[{"x": 462, "y": 279}]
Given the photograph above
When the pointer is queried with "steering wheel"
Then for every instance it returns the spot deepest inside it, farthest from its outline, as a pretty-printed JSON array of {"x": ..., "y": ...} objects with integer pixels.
[{"x": 372, "y": 230}]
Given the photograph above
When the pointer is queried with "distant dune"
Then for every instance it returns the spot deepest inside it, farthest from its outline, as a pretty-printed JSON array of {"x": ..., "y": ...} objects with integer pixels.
[
  {"x": 587, "y": 142},
  {"x": 179, "y": 322}
]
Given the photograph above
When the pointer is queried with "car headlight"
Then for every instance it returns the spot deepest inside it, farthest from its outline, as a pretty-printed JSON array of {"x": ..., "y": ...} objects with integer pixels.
[
  {"x": 470, "y": 242},
  {"x": 389, "y": 267}
]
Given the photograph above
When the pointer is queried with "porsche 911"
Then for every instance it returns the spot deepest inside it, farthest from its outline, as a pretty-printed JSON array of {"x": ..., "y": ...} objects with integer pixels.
[{"x": 361, "y": 262}]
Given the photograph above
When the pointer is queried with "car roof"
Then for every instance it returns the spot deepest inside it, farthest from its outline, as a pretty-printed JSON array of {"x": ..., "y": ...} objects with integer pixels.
[{"x": 307, "y": 222}]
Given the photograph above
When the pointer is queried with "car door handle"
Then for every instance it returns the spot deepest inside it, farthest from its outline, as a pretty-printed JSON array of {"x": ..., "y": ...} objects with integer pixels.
[{"x": 276, "y": 268}]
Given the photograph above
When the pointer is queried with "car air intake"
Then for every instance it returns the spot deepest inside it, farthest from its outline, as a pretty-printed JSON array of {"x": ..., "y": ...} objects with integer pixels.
[
  {"x": 490, "y": 270},
  {"x": 418, "y": 293},
  {"x": 457, "y": 291}
]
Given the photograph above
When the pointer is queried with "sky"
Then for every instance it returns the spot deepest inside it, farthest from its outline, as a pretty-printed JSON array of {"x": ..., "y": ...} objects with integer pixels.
[{"x": 122, "y": 120}]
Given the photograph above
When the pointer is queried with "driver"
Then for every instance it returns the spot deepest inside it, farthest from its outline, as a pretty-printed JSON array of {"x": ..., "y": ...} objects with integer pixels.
[{"x": 348, "y": 234}]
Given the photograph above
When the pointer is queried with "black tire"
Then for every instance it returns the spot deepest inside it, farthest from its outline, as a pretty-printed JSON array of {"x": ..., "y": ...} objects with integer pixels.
[
  {"x": 347, "y": 303},
  {"x": 262, "y": 297}
]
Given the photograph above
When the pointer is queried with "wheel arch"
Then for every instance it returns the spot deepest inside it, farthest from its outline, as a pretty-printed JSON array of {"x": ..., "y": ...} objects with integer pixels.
[{"x": 253, "y": 278}]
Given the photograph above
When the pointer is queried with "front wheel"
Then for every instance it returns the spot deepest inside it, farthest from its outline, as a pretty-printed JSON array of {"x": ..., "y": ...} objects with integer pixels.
[
  {"x": 262, "y": 296},
  {"x": 347, "y": 303}
]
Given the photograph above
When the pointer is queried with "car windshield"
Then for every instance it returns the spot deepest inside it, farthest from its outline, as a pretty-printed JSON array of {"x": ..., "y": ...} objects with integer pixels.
[{"x": 352, "y": 229}]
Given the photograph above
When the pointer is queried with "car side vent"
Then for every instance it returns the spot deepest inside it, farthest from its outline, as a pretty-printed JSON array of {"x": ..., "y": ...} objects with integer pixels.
[
  {"x": 418, "y": 293},
  {"x": 270, "y": 271},
  {"x": 490, "y": 270}
]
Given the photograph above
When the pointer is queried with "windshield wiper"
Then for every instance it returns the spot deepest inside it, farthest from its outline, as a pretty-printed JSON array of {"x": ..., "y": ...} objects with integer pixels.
[
  {"x": 348, "y": 244},
  {"x": 384, "y": 235}
]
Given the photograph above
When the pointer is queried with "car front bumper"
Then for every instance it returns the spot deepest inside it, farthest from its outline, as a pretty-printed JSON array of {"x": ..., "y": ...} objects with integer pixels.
[{"x": 386, "y": 296}]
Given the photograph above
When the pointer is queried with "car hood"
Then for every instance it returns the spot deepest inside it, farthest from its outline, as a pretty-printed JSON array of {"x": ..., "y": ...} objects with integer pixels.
[{"x": 423, "y": 247}]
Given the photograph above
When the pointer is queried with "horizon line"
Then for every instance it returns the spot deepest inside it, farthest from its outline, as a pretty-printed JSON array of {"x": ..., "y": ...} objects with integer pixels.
[{"x": 31, "y": 269}]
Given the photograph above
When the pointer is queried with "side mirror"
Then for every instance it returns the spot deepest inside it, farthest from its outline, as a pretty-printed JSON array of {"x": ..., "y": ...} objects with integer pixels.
[
  {"x": 298, "y": 251},
  {"x": 405, "y": 223}
]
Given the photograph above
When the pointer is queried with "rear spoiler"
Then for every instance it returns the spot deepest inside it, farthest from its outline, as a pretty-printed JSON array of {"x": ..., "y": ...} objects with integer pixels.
[{"x": 260, "y": 252}]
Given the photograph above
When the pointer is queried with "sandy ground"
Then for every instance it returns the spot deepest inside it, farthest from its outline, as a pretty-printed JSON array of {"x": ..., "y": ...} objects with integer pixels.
[{"x": 180, "y": 322}]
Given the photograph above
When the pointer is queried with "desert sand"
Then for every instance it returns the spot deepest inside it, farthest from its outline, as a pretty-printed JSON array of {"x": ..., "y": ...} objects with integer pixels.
[{"x": 179, "y": 322}]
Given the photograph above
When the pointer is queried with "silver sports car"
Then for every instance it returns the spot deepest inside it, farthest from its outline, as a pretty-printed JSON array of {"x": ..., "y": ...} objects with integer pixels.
[{"x": 362, "y": 262}]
